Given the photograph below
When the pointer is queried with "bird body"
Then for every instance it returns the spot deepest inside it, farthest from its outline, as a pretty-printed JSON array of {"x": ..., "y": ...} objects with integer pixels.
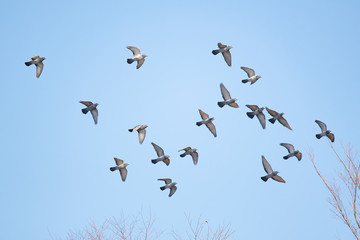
[
  {"x": 207, "y": 121},
  {"x": 38, "y": 62},
  {"x": 140, "y": 58},
  {"x": 161, "y": 155},
  {"x": 279, "y": 117},
  {"x": 225, "y": 51},
  {"x": 228, "y": 100},
  {"x": 270, "y": 173},
  {"x": 258, "y": 112},
  {"x": 192, "y": 152},
  {"x": 141, "y": 129},
  {"x": 252, "y": 77},
  {"x": 168, "y": 185},
  {"x": 324, "y": 131},
  {"x": 121, "y": 166},
  {"x": 92, "y": 108},
  {"x": 292, "y": 151}
]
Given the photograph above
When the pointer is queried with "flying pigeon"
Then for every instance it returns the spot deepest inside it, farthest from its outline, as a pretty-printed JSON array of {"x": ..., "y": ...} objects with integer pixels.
[
  {"x": 292, "y": 151},
  {"x": 279, "y": 117},
  {"x": 207, "y": 121},
  {"x": 92, "y": 108},
  {"x": 225, "y": 50},
  {"x": 160, "y": 154},
  {"x": 168, "y": 184},
  {"x": 121, "y": 166},
  {"x": 38, "y": 61},
  {"x": 227, "y": 98},
  {"x": 270, "y": 173},
  {"x": 258, "y": 112},
  {"x": 192, "y": 152},
  {"x": 140, "y": 58},
  {"x": 324, "y": 131},
  {"x": 141, "y": 129},
  {"x": 252, "y": 77}
]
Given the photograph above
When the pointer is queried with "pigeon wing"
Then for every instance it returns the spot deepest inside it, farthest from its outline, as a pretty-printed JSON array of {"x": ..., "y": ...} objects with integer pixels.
[
  {"x": 203, "y": 115},
  {"x": 123, "y": 174},
  {"x": 262, "y": 119},
  {"x": 224, "y": 92},
  {"x": 288, "y": 146},
  {"x": 212, "y": 128},
  {"x": 159, "y": 150},
  {"x": 227, "y": 57},
  {"x": 272, "y": 112},
  {"x": 39, "y": 68},
  {"x": 331, "y": 136},
  {"x": 278, "y": 178},
  {"x": 221, "y": 45},
  {"x": 166, "y": 161},
  {"x": 86, "y": 103},
  {"x": 142, "y": 134},
  {"x": 249, "y": 71},
  {"x": 140, "y": 63},
  {"x": 284, "y": 123},
  {"x": 195, "y": 157},
  {"x": 321, "y": 125},
  {"x": 234, "y": 105},
  {"x": 185, "y": 149},
  {"x": 253, "y": 107},
  {"x": 172, "y": 190},
  {"x": 266, "y": 165},
  {"x": 95, "y": 114},
  {"x": 166, "y": 180},
  {"x": 134, "y": 50},
  {"x": 118, "y": 161}
]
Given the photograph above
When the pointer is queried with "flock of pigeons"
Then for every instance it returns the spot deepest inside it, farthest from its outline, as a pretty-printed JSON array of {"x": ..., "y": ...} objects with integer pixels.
[{"x": 206, "y": 120}]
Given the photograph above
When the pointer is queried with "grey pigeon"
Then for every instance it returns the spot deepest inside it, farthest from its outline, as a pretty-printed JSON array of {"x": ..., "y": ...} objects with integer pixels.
[
  {"x": 192, "y": 152},
  {"x": 168, "y": 185},
  {"x": 38, "y": 61},
  {"x": 141, "y": 129},
  {"x": 161, "y": 156},
  {"x": 324, "y": 131},
  {"x": 258, "y": 112},
  {"x": 140, "y": 58},
  {"x": 252, "y": 77},
  {"x": 291, "y": 151},
  {"x": 225, "y": 50},
  {"x": 227, "y": 98},
  {"x": 207, "y": 121},
  {"x": 270, "y": 173},
  {"x": 92, "y": 108},
  {"x": 279, "y": 117},
  {"x": 121, "y": 166}
]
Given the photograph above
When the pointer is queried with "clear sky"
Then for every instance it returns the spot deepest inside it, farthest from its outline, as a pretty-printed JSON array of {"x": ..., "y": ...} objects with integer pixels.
[{"x": 55, "y": 163}]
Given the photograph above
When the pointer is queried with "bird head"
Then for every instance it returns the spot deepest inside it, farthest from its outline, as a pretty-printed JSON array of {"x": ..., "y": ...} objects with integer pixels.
[
  {"x": 259, "y": 76},
  {"x": 96, "y": 104},
  {"x": 145, "y": 55},
  {"x": 145, "y": 126},
  {"x": 126, "y": 164},
  {"x": 276, "y": 172},
  {"x": 175, "y": 183}
]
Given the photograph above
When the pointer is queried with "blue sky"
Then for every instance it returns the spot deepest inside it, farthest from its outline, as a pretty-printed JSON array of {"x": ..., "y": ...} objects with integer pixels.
[{"x": 55, "y": 162}]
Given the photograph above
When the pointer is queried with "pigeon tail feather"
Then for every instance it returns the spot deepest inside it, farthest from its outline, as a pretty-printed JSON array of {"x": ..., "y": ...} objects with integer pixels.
[
  {"x": 112, "y": 169},
  {"x": 286, "y": 157},
  {"x": 221, "y": 104},
  {"x": 198, "y": 123},
  {"x": 27, "y": 63},
  {"x": 272, "y": 120},
  {"x": 162, "y": 188},
  {"x": 215, "y": 52},
  {"x": 130, "y": 61},
  {"x": 130, "y": 130},
  {"x": 250, "y": 115},
  {"x": 318, "y": 136},
  {"x": 182, "y": 155},
  {"x": 154, "y": 161},
  {"x": 245, "y": 81},
  {"x": 84, "y": 110},
  {"x": 264, "y": 178}
]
